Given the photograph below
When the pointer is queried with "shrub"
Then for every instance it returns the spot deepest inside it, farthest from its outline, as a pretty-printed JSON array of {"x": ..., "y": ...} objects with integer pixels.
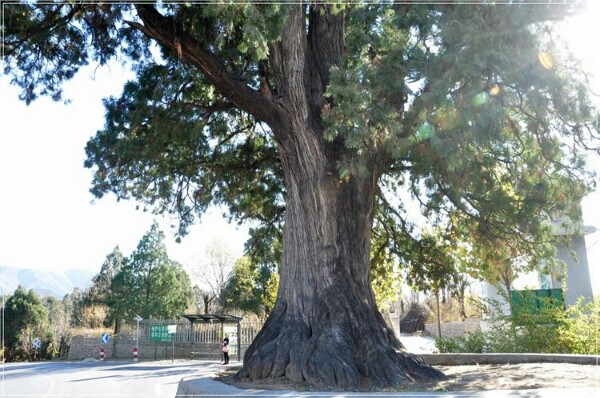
[
  {"x": 446, "y": 345},
  {"x": 580, "y": 328},
  {"x": 474, "y": 342},
  {"x": 546, "y": 329}
]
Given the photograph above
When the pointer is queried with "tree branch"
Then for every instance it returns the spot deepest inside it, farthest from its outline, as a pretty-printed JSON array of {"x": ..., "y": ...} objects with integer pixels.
[{"x": 165, "y": 30}]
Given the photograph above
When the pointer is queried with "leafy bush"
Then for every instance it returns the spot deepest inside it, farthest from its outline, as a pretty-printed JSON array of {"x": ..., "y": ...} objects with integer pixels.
[
  {"x": 580, "y": 328},
  {"x": 446, "y": 345},
  {"x": 474, "y": 342},
  {"x": 527, "y": 331},
  {"x": 546, "y": 329}
]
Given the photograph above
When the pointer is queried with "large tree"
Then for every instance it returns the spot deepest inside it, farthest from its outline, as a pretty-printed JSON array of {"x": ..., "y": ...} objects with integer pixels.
[{"x": 314, "y": 116}]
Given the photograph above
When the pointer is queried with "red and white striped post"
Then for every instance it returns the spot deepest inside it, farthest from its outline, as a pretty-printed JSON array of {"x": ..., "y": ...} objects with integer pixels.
[
  {"x": 135, "y": 354},
  {"x": 102, "y": 354}
]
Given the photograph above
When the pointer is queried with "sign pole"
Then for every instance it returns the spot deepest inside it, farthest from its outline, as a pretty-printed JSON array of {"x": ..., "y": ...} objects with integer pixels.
[
  {"x": 137, "y": 333},
  {"x": 37, "y": 343},
  {"x": 239, "y": 341},
  {"x": 172, "y": 330}
]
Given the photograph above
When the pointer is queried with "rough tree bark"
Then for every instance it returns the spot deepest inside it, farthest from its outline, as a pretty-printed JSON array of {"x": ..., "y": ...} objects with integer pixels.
[{"x": 325, "y": 328}]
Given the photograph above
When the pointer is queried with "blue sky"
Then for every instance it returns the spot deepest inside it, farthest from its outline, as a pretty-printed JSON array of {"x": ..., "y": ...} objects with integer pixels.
[{"x": 48, "y": 219}]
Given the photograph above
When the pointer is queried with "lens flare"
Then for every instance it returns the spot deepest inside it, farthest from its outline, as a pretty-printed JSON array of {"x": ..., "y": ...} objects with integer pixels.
[
  {"x": 425, "y": 132},
  {"x": 480, "y": 99},
  {"x": 546, "y": 60},
  {"x": 447, "y": 118}
]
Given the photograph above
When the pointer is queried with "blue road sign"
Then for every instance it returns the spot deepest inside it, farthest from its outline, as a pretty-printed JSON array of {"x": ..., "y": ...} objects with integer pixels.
[
  {"x": 37, "y": 343},
  {"x": 104, "y": 338}
]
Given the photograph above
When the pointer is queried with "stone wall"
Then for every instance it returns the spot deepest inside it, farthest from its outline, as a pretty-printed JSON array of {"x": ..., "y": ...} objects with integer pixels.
[
  {"x": 454, "y": 329},
  {"x": 117, "y": 348}
]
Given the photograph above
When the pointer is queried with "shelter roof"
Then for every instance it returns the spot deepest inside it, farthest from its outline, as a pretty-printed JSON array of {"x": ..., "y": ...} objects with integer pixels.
[{"x": 211, "y": 318}]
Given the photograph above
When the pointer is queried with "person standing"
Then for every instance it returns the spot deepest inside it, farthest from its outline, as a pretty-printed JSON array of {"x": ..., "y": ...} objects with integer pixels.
[{"x": 225, "y": 349}]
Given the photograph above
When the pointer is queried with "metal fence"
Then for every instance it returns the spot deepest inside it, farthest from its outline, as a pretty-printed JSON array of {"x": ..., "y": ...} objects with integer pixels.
[{"x": 202, "y": 332}]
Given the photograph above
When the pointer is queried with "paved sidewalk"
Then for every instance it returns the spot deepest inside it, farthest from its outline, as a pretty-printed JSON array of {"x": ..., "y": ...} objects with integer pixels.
[{"x": 203, "y": 385}]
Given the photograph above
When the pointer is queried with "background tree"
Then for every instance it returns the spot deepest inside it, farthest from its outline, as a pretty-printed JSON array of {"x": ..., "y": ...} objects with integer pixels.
[
  {"x": 84, "y": 314},
  {"x": 149, "y": 283},
  {"x": 433, "y": 269},
  {"x": 247, "y": 288},
  {"x": 307, "y": 115},
  {"x": 204, "y": 298},
  {"x": 99, "y": 294},
  {"x": 271, "y": 290},
  {"x": 385, "y": 273},
  {"x": 100, "y": 289},
  {"x": 123, "y": 300},
  {"x": 25, "y": 319},
  {"x": 58, "y": 323},
  {"x": 215, "y": 270}
]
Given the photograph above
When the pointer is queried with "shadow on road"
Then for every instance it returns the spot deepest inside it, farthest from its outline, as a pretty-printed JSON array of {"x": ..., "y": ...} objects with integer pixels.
[{"x": 19, "y": 370}]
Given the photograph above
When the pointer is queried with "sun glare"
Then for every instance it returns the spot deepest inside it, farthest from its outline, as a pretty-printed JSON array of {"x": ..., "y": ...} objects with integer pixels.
[{"x": 582, "y": 34}]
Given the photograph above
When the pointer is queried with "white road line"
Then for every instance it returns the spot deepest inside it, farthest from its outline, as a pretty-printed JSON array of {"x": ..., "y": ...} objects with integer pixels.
[{"x": 50, "y": 386}]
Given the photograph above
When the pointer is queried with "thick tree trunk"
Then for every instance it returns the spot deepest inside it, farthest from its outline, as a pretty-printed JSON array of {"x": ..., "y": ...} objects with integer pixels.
[{"x": 325, "y": 329}]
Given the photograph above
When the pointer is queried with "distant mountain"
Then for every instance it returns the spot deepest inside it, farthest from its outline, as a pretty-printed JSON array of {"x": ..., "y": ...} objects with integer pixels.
[{"x": 45, "y": 283}]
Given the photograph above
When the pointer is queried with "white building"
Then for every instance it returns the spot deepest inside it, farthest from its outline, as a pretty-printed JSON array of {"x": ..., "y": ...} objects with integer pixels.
[{"x": 578, "y": 280}]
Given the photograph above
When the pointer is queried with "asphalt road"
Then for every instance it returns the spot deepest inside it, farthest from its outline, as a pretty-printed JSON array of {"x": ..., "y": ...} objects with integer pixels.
[
  {"x": 161, "y": 379},
  {"x": 96, "y": 379}
]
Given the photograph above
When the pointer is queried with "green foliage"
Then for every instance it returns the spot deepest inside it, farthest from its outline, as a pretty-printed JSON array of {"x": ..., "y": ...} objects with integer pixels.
[
  {"x": 56, "y": 31},
  {"x": 473, "y": 342},
  {"x": 385, "y": 274},
  {"x": 251, "y": 288},
  {"x": 446, "y": 345},
  {"x": 529, "y": 329},
  {"x": 149, "y": 284},
  {"x": 579, "y": 329},
  {"x": 246, "y": 288},
  {"x": 59, "y": 318},
  {"x": 545, "y": 330},
  {"x": 24, "y": 319},
  {"x": 100, "y": 289},
  {"x": 84, "y": 312},
  {"x": 271, "y": 292}
]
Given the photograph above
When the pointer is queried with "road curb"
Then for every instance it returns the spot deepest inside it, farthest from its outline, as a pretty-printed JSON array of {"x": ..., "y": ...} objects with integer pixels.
[
  {"x": 193, "y": 386},
  {"x": 198, "y": 386},
  {"x": 496, "y": 359}
]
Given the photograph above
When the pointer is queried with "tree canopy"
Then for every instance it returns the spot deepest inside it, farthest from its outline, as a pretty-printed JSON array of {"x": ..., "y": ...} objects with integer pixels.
[
  {"x": 319, "y": 122},
  {"x": 484, "y": 118}
]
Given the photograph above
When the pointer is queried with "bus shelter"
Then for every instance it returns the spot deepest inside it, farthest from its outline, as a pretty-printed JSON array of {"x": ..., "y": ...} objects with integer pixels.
[{"x": 225, "y": 320}]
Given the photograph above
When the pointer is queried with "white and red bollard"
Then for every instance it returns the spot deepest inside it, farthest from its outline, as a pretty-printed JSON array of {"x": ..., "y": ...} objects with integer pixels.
[
  {"x": 135, "y": 355},
  {"x": 102, "y": 354}
]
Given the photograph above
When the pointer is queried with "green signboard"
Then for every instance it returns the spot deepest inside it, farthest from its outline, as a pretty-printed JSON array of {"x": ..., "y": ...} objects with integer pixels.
[
  {"x": 533, "y": 301},
  {"x": 159, "y": 333}
]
